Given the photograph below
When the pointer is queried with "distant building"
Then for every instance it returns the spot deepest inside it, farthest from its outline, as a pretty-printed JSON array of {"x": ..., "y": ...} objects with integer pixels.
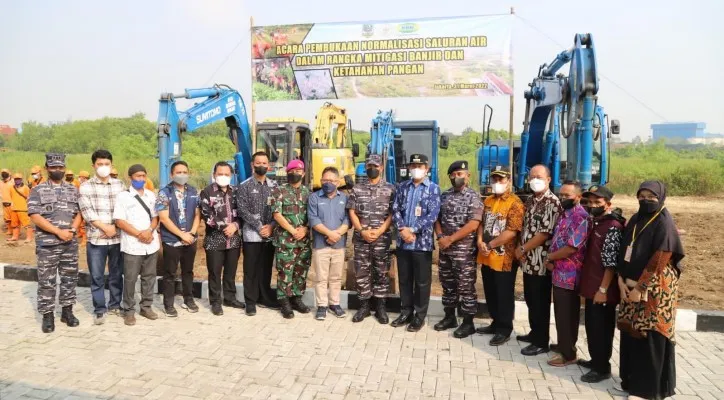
[
  {"x": 680, "y": 130},
  {"x": 7, "y": 130}
]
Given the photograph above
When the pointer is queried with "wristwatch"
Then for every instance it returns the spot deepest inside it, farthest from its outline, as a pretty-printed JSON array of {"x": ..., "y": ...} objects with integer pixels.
[{"x": 602, "y": 290}]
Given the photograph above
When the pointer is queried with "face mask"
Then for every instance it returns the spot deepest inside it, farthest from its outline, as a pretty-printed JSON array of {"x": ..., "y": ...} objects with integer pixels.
[
  {"x": 329, "y": 187},
  {"x": 648, "y": 206},
  {"x": 18, "y": 182},
  {"x": 596, "y": 211},
  {"x": 181, "y": 179},
  {"x": 457, "y": 182},
  {"x": 103, "y": 171},
  {"x": 537, "y": 185},
  {"x": 260, "y": 171},
  {"x": 5, "y": 175},
  {"x": 499, "y": 188},
  {"x": 57, "y": 175},
  {"x": 36, "y": 176},
  {"x": 417, "y": 173},
  {"x": 138, "y": 184},
  {"x": 373, "y": 173},
  {"x": 294, "y": 178},
  {"x": 223, "y": 180},
  {"x": 567, "y": 204}
]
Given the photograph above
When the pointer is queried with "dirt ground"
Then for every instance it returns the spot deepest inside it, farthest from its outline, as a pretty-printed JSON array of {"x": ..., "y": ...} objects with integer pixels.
[{"x": 700, "y": 219}]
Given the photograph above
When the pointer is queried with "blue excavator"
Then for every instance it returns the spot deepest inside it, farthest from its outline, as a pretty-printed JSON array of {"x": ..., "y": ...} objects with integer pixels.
[
  {"x": 564, "y": 127},
  {"x": 395, "y": 141},
  {"x": 221, "y": 102}
]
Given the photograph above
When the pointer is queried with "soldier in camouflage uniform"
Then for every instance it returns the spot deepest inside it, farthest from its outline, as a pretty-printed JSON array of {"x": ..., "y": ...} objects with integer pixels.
[
  {"x": 53, "y": 208},
  {"x": 460, "y": 214},
  {"x": 370, "y": 212},
  {"x": 291, "y": 239}
]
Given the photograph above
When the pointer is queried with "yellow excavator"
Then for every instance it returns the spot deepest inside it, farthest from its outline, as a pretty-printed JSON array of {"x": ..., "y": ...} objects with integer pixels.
[{"x": 285, "y": 139}]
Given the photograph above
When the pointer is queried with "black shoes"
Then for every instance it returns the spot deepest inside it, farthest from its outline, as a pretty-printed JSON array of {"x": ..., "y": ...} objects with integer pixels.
[
  {"x": 594, "y": 377},
  {"x": 234, "y": 303},
  {"x": 68, "y": 318},
  {"x": 363, "y": 311},
  {"x": 171, "y": 311},
  {"x": 250, "y": 309},
  {"x": 216, "y": 309},
  {"x": 48, "y": 322},
  {"x": 190, "y": 305},
  {"x": 533, "y": 350},
  {"x": 416, "y": 324},
  {"x": 499, "y": 339},
  {"x": 449, "y": 322},
  {"x": 381, "y": 312},
  {"x": 298, "y": 305},
  {"x": 402, "y": 320},
  {"x": 466, "y": 329},
  {"x": 286, "y": 308},
  {"x": 585, "y": 363},
  {"x": 486, "y": 330},
  {"x": 524, "y": 338}
]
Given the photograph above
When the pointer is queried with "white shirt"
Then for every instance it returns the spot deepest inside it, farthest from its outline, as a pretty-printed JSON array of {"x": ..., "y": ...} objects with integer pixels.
[{"x": 130, "y": 210}]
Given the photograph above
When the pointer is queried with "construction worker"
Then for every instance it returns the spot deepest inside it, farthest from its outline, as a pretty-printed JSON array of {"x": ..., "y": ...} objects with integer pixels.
[
  {"x": 83, "y": 176},
  {"x": 36, "y": 177},
  {"x": 70, "y": 178},
  {"x": 19, "y": 207},
  {"x": 149, "y": 185},
  {"x": 114, "y": 173},
  {"x": 6, "y": 184},
  {"x": 53, "y": 207}
]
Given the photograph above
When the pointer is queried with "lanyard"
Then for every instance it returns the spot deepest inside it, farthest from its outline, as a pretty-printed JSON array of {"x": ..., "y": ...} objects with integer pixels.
[{"x": 633, "y": 239}]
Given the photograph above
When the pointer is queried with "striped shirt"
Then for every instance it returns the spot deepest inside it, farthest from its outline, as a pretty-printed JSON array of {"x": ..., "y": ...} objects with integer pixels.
[{"x": 97, "y": 201}]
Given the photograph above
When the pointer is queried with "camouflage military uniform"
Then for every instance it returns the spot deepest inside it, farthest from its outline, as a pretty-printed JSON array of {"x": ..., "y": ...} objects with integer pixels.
[
  {"x": 373, "y": 204},
  {"x": 292, "y": 256},
  {"x": 457, "y": 262},
  {"x": 58, "y": 203}
]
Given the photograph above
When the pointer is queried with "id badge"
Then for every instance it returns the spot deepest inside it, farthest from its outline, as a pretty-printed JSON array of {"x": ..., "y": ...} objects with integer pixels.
[
  {"x": 418, "y": 211},
  {"x": 629, "y": 252},
  {"x": 268, "y": 201}
]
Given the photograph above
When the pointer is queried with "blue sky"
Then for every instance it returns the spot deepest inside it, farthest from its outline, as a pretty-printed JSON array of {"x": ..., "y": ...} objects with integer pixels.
[{"x": 87, "y": 59}]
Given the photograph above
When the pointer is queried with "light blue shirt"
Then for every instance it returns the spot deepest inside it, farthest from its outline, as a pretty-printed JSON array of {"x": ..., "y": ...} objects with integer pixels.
[{"x": 330, "y": 212}]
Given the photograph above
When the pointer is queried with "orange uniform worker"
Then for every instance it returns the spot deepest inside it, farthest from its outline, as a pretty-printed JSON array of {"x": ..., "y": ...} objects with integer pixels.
[
  {"x": 19, "y": 206},
  {"x": 36, "y": 177},
  {"x": 6, "y": 183},
  {"x": 70, "y": 178},
  {"x": 83, "y": 176}
]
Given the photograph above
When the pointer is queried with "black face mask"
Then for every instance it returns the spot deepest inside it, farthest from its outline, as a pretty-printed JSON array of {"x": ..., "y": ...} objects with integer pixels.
[
  {"x": 5, "y": 175},
  {"x": 596, "y": 211},
  {"x": 373, "y": 173},
  {"x": 647, "y": 207},
  {"x": 567, "y": 204},
  {"x": 457, "y": 182},
  {"x": 294, "y": 178},
  {"x": 56, "y": 175},
  {"x": 260, "y": 171}
]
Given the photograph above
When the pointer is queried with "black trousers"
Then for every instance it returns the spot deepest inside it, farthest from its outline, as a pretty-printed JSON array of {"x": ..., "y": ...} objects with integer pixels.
[
  {"x": 648, "y": 365},
  {"x": 499, "y": 289},
  {"x": 415, "y": 272},
  {"x": 258, "y": 263},
  {"x": 216, "y": 260},
  {"x": 600, "y": 322},
  {"x": 537, "y": 292},
  {"x": 567, "y": 306},
  {"x": 172, "y": 256}
]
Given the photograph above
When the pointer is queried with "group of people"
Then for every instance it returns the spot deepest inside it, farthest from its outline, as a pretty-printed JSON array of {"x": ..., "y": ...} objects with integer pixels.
[
  {"x": 569, "y": 246},
  {"x": 577, "y": 245}
]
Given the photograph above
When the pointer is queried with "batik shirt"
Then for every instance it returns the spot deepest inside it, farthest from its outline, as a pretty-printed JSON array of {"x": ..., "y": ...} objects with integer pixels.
[
  {"x": 571, "y": 230},
  {"x": 408, "y": 198},
  {"x": 219, "y": 210},
  {"x": 541, "y": 216},
  {"x": 503, "y": 213},
  {"x": 254, "y": 199}
]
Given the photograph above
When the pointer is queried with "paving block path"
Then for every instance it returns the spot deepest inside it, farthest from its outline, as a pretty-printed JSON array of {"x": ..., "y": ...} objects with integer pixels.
[{"x": 202, "y": 356}]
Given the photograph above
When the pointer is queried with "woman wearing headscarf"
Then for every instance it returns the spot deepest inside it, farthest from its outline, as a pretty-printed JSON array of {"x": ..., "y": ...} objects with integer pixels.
[{"x": 649, "y": 269}]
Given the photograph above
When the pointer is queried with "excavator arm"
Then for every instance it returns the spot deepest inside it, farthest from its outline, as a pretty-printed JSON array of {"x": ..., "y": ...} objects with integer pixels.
[
  {"x": 222, "y": 102},
  {"x": 330, "y": 130}
]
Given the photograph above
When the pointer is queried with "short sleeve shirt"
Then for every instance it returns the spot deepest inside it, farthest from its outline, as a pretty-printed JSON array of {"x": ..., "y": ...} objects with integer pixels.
[
  {"x": 504, "y": 213},
  {"x": 541, "y": 216},
  {"x": 571, "y": 230}
]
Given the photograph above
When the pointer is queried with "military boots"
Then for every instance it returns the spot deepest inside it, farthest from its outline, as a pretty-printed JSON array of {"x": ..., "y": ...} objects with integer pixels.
[
  {"x": 68, "y": 318},
  {"x": 449, "y": 322},
  {"x": 466, "y": 329},
  {"x": 363, "y": 312},
  {"x": 381, "y": 312},
  {"x": 48, "y": 322}
]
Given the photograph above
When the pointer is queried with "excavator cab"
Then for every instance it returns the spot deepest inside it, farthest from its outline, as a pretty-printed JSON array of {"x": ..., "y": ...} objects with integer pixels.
[{"x": 283, "y": 141}]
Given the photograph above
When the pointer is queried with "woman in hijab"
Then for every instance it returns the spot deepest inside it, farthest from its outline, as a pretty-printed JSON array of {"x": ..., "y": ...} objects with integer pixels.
[{"x": 649, "y": 269}]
